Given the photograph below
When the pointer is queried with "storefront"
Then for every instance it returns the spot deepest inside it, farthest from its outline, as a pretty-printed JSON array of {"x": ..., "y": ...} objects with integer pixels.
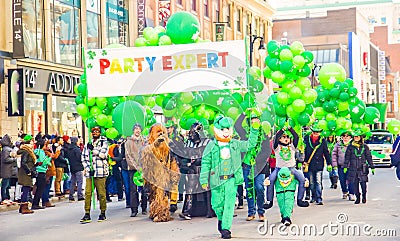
[{"x": 46, "y": 102}]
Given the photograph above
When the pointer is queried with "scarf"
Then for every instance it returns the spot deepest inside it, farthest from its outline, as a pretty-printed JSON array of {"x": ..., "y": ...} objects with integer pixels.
[{"x": 30, "y": 152}]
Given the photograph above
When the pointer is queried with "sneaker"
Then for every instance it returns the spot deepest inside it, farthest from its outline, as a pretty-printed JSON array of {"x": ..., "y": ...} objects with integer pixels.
[
  {"x": 261, "y": 218},
  {"x": 287, "y": 222},
  {"x": 185, "y": 216},
  {"x": 71, "y": 199},
  {"x": 352, "y": 197},
  {"x": 36, "y": 207},
  {"x": 81, "y": 199},
  {"x": 302, "y": 203},
  {"x": 240, "y": 207},
  {"x": 102, "y": 217},
  {"x": 250, "y": 218},
  {"x": 345, "y": 195},
  {"x": 86, "y": 218},
  {"x": 307, "y": 198},
  {"x": 320, "y": 203},
  {"x": 144, "y": 213}
]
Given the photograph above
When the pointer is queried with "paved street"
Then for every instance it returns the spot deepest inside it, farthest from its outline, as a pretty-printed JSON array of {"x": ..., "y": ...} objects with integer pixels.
[{"x": 382, "y": 211}]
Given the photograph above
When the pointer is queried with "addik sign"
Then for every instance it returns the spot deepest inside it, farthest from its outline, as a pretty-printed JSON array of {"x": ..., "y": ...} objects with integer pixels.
[{"x": 53, "y": 82}]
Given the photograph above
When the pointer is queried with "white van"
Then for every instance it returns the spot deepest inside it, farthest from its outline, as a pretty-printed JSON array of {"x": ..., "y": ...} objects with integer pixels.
[{"x": 380, "y": 143}]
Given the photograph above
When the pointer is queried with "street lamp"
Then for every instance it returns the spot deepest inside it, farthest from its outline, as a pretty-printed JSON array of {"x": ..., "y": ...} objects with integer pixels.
[{"x": 261, "y": 47}]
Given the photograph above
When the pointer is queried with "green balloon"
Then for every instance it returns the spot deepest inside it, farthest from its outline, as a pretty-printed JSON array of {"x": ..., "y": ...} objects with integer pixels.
[
  {"x": 95, "y": 111},
  {"x": 266, "y": 126},
  {"x": 277, "y": 77},
  {"x": 394, "y": 127},
  {"x": 150, "y": 102},
  {"x": 101, "y": 119},
  {"x": 343, "y": 106},
  {"x": 334, "y": 93},
  {"x": 299, "y": 61},
  {"x": 274, "y": 64},
  {"x": 79, "y": 99},
  {"x": 308, "y": 56},
  {"x": 309, "y": 96},
  {"x": 82, "y": 89},
  {"x": 273, "y": 48},
  {"x": 323, "y": 124},
  {"x": 91, "y": 101},
  {"x": 330, "y": 116},
  {"x": 255, "y": 72},
  {"x": 280, "y": 122},
  {"x": 291, "y": 112},
  {"x": 237, "y": 97},
  {"x": 183, "y": 27},
  {"x": 303, "y": 119},
  {"x": 82, "y": 110},
  {"x": 297, "y": 48},
  {"x": 257, "y": 86},
  {"x": 126, "y": 115},
  {"x": 303, "y": 83},
  {"x": 267, "y": 72},
  {"x": 164, "y": 40},
  {"x": 372, "y": 115},
  {"x": 344, "y": 96},
  {"x": 101, "y": 102},
  {"x": 91, "y": 122},
  {"x": 111, "y": 133},
  {"x": 286, "y": 55},
  {"x": 286, "y": 66},
  {"x": 280, "y": 110},
  {"x": 331, "y": 125},
  {"x": 283, "y": 98},
  {"x": 330, "y": 73},
  {"x": 319, "y": 112},
  {"x": 186, "y": 97},
  {"x": 295, "y": 93},
  {"x": 287, "y": 85},
  {"x": 159, "y": 100},
  {"x": 344, "y": 87},
  {"x": 299, "y": 105},
  {"x": 151, "y": 121},
  {"x": 350, "y": 82},
  {"x": 169, "y": 113},
  {"x": 140, "y": 42},
  {"x": 112, "y": 102},
  {"x": 304, "y": 72},
  {"x": 352, "y": 91}
]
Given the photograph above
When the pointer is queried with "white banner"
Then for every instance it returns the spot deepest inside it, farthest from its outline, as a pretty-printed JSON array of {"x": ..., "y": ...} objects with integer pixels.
[{"x": 166, "y": 69}]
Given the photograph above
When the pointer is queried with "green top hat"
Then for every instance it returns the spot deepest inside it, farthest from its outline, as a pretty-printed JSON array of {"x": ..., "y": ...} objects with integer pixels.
[
  {"x": 358, "y": 132},
  {"x": 222, "y": 122},
  {"x": 344, "y": 132},
  {"x": 315, "y": 127},
  {"x": 284, "y": 173},
  {"x": 169, "y": 123}
]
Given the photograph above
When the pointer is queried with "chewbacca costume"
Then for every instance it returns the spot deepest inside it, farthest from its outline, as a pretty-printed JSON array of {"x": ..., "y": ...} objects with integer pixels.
[{"x": 161, "y": 174}]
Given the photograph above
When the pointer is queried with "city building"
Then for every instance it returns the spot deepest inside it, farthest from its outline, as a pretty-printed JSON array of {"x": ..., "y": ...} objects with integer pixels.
[{"x": 41, "y": 45}]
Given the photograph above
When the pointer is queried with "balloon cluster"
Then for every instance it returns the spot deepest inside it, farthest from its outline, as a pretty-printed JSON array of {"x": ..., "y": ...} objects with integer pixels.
[
  {"x": 117, "y": 115},
  {"x": 333, "y": 104},
  {"x": 394, "y": 127},
  {"x": 289, "y": 66}
]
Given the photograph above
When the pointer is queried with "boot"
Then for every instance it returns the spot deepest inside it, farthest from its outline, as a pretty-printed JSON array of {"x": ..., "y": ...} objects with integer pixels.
[
  {"x": 335, "y": 181},
  {"x": 226, "y": 234},
  {"x": 134, "y": 212},
  {"x": 220, "y": 226},
  {"x": 302, "y": 203},
  {"x": 357, "y": 199},
  {"x": 25, "y": 209},
  {"x": 308, "y": 191},
  {"x": 364, "y": 198},
  {"x": 49, "y": 205},
  {"x": 332, "y": 181},
  {"x": 268, "y": 205}
]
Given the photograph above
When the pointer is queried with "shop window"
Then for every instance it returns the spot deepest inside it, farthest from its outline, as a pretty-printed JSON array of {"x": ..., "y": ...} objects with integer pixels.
[
  {"x": 65, "y": 33},
  {"x": 64, "y": 119},
  {"x": 194, "y": 7},
  {"x": 383, "y": 20},
  {"x": 228, "y": 15},
  {"x": 117, "y": 22},
  {"x": 92, "y": 24},
  {"x": 390, "y": 108},
  {"x": 33, "y": 28},
  {"x": 206, "y": 14},
  {"x": 34, "y": 120}
]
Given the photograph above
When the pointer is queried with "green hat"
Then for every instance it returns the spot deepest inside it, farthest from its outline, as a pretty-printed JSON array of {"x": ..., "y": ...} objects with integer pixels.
[
  {"x": 28, "y": 138},
  {"x": 222, "y": 122},
  {"x": 284, "y": 173},
  {"x": 343, "y": 132},
  {"x": 169, "y": 123},
  {"x": 315, "y": 127},
  {"x": 358, "y": 132}
]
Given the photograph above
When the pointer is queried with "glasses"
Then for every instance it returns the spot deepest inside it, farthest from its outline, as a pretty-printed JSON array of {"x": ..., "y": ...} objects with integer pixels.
[
  {"x": 346, "y": 135},
  {"x": 95, "y": 131}
]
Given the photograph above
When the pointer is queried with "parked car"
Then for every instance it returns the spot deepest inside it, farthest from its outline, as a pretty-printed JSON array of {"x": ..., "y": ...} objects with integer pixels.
[{"x": 380, "y": 143}]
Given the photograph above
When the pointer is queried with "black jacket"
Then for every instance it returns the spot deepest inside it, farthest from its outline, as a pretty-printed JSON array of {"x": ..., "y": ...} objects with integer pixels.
[
  {"x": 262, "y": 165},
  {"x": 74, "y": 155},
  {"x": 358, "y": 160},
  {"x": 60, "y": 161},
  {"x": 317, "y": 161}
]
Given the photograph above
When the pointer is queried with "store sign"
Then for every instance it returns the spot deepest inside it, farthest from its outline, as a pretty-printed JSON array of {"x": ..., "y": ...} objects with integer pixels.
[
  {"x": 15, "y": 92},
  {"x": 18, "y": 39},
  {"x": 141, "y": 15},
  {"x": 44, "y": 81},
  {"x": 118, "y": 13},
  {"x": 164, "y": 12},
  {"x": 219, "y": 32}
]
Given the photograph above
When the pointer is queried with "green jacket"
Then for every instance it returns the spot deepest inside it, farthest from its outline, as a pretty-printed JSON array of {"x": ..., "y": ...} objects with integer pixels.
[{"x": 212, "y": 166}]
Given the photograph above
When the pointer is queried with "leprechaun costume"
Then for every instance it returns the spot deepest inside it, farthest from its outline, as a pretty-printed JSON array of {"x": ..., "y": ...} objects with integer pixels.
[
  {"x": 221, "y": 170},
  {"x": 285, "y": 189}
]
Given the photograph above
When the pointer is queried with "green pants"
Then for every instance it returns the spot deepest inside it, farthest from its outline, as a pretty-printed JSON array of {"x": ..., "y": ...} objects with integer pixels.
[
  {"x": 100, "y": 186},
  {"x": 223, "y": 200}
]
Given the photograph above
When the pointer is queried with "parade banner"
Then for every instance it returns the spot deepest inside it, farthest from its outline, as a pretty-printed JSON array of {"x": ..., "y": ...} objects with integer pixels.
[{"x": 166, "y": 69}]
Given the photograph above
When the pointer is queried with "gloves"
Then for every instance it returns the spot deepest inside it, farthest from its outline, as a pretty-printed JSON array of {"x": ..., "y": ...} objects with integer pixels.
[
  {"x": 329, "y": 168},
  {"x": 299, "y": 165},
  {"x": 33, "y": 173},
  {"x": 91, "y": 173},
  {"x": 90, "y": 146},
  {"x": 373, "y": 171},
  {"x": 345, "y": 170},
  {"x": 335, "y": 168},
  {"x": 204, "y": 186}
]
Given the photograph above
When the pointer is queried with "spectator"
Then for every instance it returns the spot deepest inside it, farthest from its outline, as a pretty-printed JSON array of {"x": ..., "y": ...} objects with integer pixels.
[
  {"x": 8, "y": 168},
  {"x": 50, "y": 173},
  {"x": 26, "y": 172},
  {"x": 96, "y": 170},
  {"x": 74, "y": 154},
  {"x": 41, "y": 167},
  {"x": 67, "y": 174},
  {"x": 60, "y": 163}
]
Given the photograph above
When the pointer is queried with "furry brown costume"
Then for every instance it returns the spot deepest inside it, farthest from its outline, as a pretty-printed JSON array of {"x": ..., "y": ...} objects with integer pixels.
[{"x": 161, "y": 174}]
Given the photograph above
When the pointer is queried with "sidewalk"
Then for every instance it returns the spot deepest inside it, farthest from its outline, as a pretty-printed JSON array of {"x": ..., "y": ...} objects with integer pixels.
[{"x": 5, "y": 208}]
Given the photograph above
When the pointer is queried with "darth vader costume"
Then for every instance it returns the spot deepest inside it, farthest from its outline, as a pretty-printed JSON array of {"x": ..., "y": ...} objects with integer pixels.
[{"x": 197, "y": 202}]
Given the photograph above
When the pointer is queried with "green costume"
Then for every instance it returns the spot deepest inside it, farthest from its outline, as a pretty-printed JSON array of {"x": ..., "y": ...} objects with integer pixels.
[
  {"x": 221, "y": 170},
  {"x": 285, "y": 189}
]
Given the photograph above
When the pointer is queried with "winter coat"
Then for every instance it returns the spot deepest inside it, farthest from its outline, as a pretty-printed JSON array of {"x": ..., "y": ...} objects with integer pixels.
[
  {"x": 60, "y": 161},
  {"x": 132, "y": 149},
  {"x": 317, "y": 162},
  {"x": 338, "y": 154},
  {"x": 28, "y": 160},
  {"x": 213, "y": 166},
  {"x": 357, "y": 159},
  {"x": 74, "y": 155},
  {"x": 42, "y": 160},
  {"x": 9, "y": 167},
  {"x": 99, "y": 160}
]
